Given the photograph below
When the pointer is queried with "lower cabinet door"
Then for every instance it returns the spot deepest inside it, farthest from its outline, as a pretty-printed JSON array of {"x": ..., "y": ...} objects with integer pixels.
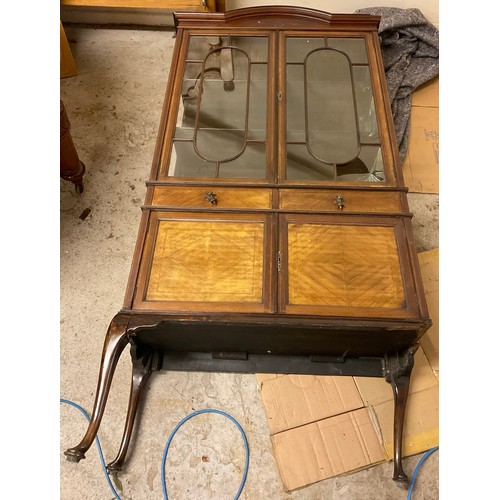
[
  {"x": 352, "y": 266},
  {"x": 207, "y": 262}
]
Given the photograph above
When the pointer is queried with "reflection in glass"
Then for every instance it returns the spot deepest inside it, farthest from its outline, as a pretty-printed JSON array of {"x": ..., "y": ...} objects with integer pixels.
[
  {"x": 331, "y": 128},
  {"x": 295, "y": 116},
  {"x": 223, "y": 108},
  {"x": 367, "y": 167},
  {"x": 185, "y": 162},
  {"x": 365, "y": 104},
  {"x": 221, "y": 120},
  {"x": 302, "y": 166},
  {"x": 330, "y": 111},
  {"x": 189, "y": 97},
  {"x": 258, "y": 98},
  {"x": 251, "y": 164},
  {"x": 255, "y": 47},
  {"x": 354, "y": 48},
  {"x": 297, "y": 49}
]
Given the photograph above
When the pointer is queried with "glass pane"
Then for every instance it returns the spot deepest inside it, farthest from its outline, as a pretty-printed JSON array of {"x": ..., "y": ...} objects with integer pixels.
[
  {"x": 297, "y": 49},
  {"x": 295, "y": 107},
  {"x": 355, "y": 48},
  {"x": 330, "y": 111},
  {"x": 331, "y": 129},
  {"x": 368, "y": 167},
  {"x": 368, "y": 127},
  {"x": 250, "y": 165},
  {"x": 200, "y": 46},
  {"x": 185, "y": 162},
  {"x": 219, "y": 145},
  {"x": 223, "y": 106},
  {"x": 257, "y": 118},
  {"x": 189, "y": 98},
  {"x": 302, "y": 166},
  {"x": 255, "y": 47}
]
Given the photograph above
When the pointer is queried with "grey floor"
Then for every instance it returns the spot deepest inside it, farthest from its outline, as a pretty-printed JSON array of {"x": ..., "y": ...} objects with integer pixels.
[{"x": 114, "y": 107}]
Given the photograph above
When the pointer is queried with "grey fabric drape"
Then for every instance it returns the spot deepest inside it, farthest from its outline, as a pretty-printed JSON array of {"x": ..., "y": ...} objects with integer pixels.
[{"x": 410, "y": 50}]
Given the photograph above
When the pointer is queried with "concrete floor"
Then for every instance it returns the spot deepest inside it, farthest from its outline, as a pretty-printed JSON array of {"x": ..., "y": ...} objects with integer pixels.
[{"x": 114, "y": 107}]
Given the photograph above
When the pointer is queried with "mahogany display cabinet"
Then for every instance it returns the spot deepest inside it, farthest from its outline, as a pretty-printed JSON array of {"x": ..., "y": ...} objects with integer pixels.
[{"x": 275, "y": 234}]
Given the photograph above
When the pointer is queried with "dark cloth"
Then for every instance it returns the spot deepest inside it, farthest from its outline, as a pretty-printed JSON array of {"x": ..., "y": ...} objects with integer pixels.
[{"x": 410, "y": 50}]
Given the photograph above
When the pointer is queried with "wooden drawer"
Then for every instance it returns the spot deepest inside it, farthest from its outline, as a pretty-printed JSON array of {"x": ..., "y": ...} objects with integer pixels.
[
  {"x": 212, "y": 197},
  {"x": 337, "y": 200}
]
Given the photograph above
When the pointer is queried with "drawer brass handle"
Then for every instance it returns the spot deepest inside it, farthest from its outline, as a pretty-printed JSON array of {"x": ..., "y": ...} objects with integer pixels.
[
  {"x": 211, "y": 197},
  {"x": 339, "y": 201}
]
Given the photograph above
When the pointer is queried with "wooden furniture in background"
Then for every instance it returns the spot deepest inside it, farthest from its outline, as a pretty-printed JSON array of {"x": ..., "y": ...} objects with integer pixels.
[
  {"x": 275, "y": 235},
  {"x": 72, "y": 168},
  {"x": 67, "y": 63},
  {"x": 196, "y": 5}
]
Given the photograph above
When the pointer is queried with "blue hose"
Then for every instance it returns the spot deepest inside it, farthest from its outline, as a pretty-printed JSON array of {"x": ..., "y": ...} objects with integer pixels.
[
  {"x": 84, "y": 413},
  {"x": 247, "y": 451},
  {"x": 415, "y": 472},
  {"x": 185, "y": 419}
]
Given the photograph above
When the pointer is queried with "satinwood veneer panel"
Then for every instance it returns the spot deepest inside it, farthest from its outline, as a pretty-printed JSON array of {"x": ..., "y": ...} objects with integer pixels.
[
  {"x": 224, "y": 197},
  {"x": 206, "y": 262},
  {"x": 352, "y": 201},
  {"x": 339, "y": 265}
]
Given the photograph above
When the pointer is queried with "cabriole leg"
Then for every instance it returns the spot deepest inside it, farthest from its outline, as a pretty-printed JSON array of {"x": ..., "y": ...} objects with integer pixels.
[
  {"x": 397, "y": 372},
  {"x": 144, "y": 361},
  {"x": 115, "y": 342}
]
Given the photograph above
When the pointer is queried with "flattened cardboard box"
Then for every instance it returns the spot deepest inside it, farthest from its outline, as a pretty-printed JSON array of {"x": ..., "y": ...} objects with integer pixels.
[
  {"x": 421, "y": 165},
  {"x": 327, "y": 448},
  {"x": 323, "y": 427}
]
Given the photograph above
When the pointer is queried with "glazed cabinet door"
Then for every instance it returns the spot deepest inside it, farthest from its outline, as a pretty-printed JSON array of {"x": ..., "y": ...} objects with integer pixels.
[
  {"x": 331, "y": 108},
  {"x": 345, "y": 266},
  {"x": 221, "y": 99},
  {"x": 207, "y": 262}
]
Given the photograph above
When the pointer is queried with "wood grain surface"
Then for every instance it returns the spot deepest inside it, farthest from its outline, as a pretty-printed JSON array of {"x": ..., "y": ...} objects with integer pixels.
[
  {"x": 341, "y": 265},
  {"x": 354, "y": 201},
  {"x": 207, "y": 261},
  {"x": 180, "y": 196}
]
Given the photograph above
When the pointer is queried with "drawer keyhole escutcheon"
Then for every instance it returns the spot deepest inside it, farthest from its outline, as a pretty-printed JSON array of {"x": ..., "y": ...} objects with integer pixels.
[
  {"x": 339, "y": 201},
  {"x": 211, "y": 197}
]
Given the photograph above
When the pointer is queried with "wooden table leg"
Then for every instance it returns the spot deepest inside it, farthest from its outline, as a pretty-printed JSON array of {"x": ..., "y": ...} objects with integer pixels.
[
  {"x": 144, "y": 361},
  {"x": 72, "y": 168},
  {"x": 397, "y": 372},
  {"x": 115, "y": 342}
]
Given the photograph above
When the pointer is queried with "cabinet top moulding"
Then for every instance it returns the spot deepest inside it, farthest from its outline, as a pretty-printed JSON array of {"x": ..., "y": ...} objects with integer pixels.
[{"x": 277, "y": 17}]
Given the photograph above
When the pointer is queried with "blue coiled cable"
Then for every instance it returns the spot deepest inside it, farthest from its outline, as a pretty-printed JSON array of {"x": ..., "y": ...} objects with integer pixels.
[
  {"x": 103, "y": 463},
  {"x": 247, "y": 451},
  {"x": 427, "y": 454},
  {"x": 183, "y": 421}
]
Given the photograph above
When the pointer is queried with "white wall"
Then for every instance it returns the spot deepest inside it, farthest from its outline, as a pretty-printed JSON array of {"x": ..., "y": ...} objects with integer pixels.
[{"x": 429, "y": 8}]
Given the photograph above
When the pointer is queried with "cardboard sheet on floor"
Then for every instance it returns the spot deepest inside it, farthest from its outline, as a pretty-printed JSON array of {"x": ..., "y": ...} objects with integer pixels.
[
  {"x": 421, "y": 165},
  {"x": 323, "y": 427},
  {"x": 429, "y": 267}
]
